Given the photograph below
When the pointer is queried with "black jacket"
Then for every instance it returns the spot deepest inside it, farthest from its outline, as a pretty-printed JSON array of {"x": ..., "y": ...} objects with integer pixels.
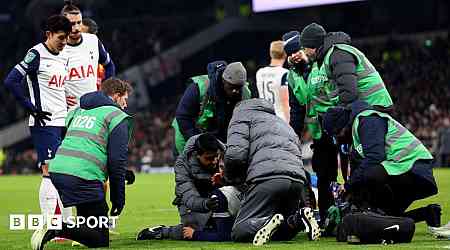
[
  {"x": 342, "y": 66},
  {"x": 188, "y": 108}
]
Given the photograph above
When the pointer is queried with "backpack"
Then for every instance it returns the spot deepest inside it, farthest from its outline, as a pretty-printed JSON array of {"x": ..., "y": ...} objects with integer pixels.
[{"x": 372, "y": 228}]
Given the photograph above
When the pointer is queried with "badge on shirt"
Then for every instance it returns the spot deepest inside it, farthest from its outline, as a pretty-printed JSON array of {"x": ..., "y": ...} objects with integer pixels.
[{"x": 29, "y": 57}]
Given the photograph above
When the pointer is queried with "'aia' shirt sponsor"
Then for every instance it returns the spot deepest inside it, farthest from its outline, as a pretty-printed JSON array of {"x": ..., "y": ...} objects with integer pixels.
[{"x": 84, "y": 59}]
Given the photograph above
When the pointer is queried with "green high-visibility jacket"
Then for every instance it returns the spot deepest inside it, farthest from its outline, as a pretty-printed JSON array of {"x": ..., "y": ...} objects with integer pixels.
[
  {"x": 207, "y": 109},
  {"x": 83, "y": 152},
  {"x": 319, "y": 92},
  {"x": 401, "y": 146}
]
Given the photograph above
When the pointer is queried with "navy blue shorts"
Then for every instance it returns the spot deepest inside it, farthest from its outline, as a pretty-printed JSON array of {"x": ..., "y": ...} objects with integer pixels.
[{"x": 46, "y": 141}]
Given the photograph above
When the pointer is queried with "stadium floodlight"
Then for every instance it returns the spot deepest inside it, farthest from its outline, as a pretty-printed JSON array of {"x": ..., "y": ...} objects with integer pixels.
[{"x": 271, "y": 5}]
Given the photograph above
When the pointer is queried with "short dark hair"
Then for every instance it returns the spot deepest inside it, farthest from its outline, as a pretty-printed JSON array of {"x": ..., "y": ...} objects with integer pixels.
[
  {"x": 91, "y": 24},
  {"x": 70, "y": 8},
  {"x": 57, "y": 23},
  {"x": 114, "y": 85},
  {"x": 207, "y": 142}
]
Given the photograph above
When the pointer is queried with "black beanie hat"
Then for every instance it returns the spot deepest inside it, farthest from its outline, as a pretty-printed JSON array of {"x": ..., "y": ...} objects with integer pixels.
[
  {"x": 312, "y": 36},
  {"x": 291, "y": 42}
]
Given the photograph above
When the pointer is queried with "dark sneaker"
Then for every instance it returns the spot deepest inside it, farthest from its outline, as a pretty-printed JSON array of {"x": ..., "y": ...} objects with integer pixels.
[
  {"x": 263, "y": 235},
  {"x": 41, "y": 237},
  {"x": 150, "y": 233},
  {"x": 433, "y": 217},
  {"x": 309, "y": 221}
]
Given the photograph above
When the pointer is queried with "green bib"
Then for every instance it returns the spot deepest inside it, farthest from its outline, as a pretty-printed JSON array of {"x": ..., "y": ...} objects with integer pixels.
[
  {"x": 401, "y": 146},
  {"x": 207, "y": 109},
  {"x": 317, "y": 93},
  {"x": 371, "y": 87},
  {"x": 83, "y": 152}
]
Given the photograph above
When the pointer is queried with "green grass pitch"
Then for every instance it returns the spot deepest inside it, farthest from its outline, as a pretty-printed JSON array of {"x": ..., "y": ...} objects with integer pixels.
[{"x": 148, "y": 202}]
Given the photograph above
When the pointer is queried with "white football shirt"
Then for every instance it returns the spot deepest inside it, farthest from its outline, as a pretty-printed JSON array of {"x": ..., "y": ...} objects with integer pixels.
[
  {"x": 83, "y": 63},
  {"x": 46, "y": 72},
  {"x": 269, "y": 80}
]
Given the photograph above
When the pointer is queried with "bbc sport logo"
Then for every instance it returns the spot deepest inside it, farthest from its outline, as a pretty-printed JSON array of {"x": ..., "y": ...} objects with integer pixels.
[{"x": 55, "y": 222}]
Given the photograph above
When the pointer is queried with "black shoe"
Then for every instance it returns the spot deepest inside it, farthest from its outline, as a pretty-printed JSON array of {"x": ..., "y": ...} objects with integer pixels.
[
  {"x": 433, "y": 217},
  {"x": 305, "y": 220},
  {"x": 151, "y": 233},
  {"x": 41, "y": 237}
]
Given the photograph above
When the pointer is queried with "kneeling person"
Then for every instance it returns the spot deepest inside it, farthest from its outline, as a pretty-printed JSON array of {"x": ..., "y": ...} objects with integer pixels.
[
  {"x": 263, "y": 152},
  {"x": 94, "y": 149},
  {"x": 391, "y": 168},
  {"x": 205, "y": 213}
]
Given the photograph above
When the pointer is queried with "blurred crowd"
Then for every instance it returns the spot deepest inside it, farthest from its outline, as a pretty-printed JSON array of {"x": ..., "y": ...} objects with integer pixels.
[
  {"x": 153, "y": 137},
  {"x": 133, "y": 46},
  {"x": 418, "y": 78}
]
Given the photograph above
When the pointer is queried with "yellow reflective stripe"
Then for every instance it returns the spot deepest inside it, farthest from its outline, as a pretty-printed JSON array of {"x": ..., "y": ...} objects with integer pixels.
[
  {"x": 367, "y": 70},
  {"x": 311, "y": 119},
  {"x": 371, "y": 90},
  {"x": 318, "y": 99},
  {"x": 82, "y": 155},
  {"x": 83, "y": 134},
  {"x": 106, "y": 122},
  {"x": 400, "y": 131},
  {"x": 404, "y": 152}
]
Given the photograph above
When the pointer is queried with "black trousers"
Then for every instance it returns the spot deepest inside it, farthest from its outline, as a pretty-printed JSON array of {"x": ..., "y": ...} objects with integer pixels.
[
  {"x": 394, "y": 193},
  {"x": 90, "y": 237},
  {"x": 261, "y": 201},
  {"x": 325, "y": 164}
]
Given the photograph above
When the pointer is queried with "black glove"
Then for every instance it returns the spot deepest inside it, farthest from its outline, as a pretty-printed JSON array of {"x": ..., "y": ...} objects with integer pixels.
[
  {"x": 40, "y": 117},
  {"x": 116, "y": 209},
  {"x": 212, "y": 203},
  {"x": 129, "y": 177}
]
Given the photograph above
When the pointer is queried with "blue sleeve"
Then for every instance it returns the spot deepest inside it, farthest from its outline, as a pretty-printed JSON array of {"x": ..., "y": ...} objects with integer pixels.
[
  {"x": 118, "y": 162},
  {"x": 188, "y": 110},
  {"x": 14, "y": 80},
  {"x": 297, "y": 113},
  {"x": 284, "y": 79},
  {"x": 372, "y": 132},
  {"x": 106, "y": 61}
]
